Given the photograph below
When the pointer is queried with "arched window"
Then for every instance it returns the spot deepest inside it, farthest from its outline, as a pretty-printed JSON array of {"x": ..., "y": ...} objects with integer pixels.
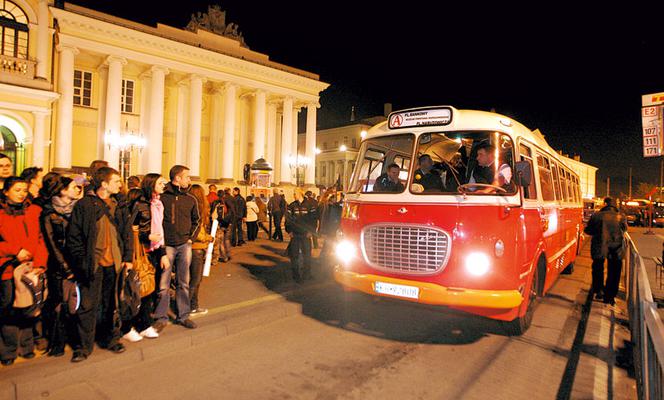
[{"x": 13, "y": 30}]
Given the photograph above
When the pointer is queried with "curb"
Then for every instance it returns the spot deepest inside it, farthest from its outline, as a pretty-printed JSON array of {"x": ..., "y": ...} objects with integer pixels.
[{"x": 36, "y": 379}]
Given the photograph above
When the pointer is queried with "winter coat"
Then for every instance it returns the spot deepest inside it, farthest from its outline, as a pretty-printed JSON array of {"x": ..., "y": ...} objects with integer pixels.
[
  {"x": 240, "y": 207},
  {"x": 141, "y": 216},
  {"x": 330, "y": 217},
  {"x": 252, "y": 211},
  {"x": 262, "y": 211},
  {"x": 299, "y": 218},
  {"x": 82, "y": 235},
  {"x": 19, "y": 229},
  {"x": 54, "y": 228},
  {"x": 276, "y": 204},
  {"x": 607, "y": 228},
  {"x": 182, "y": 220}
]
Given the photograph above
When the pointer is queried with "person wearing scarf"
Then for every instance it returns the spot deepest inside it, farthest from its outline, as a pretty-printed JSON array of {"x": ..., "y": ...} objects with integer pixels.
[
  {"x": 20, "y": 242},
  {"x": 58, "y": 195}
]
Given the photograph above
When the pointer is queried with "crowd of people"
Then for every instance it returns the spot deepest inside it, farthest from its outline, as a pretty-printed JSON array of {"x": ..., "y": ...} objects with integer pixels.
[{"x": 89, "y": 259}]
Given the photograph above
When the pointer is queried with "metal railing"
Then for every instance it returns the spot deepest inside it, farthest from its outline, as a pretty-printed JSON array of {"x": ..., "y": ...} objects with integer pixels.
[{"x": 646, "y": 326}]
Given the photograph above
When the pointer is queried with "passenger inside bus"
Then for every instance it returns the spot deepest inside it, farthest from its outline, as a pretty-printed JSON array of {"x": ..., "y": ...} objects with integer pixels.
[
  {"x": 485, "y": 171},
  {"x": 389, "y": 181},
  {"x": 427, "y": 176}
]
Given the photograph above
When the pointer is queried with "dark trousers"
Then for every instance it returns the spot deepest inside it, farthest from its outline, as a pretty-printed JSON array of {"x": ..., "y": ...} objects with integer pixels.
[
  {"x": 252, "y": 230},
  {"x": 57, "y": 322},
  {"x": 236, "y": 232},
  {"x": 614, "y": 269},
  {"x": 196, "y": 275},
  {"x": 276, "y": 218},
  {"x": 262, "y": 226},
  {"x": 143, "y": 320},
  {"x": 300, "y": 242},
  {"x": 98, "y": 297},
  {"x": 15, "y": 330}
]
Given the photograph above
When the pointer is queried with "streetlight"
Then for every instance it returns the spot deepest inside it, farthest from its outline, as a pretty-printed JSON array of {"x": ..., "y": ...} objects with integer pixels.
[
  {"x": 363, "y": 134},
  {"x": 343, "y": 147},
  {"x": 298, "y": 162},
  {"x": 125, "y": 142}
]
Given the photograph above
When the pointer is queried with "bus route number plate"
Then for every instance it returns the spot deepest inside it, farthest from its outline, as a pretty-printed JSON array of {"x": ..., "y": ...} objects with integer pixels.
[{"x": 410, "y": 292}]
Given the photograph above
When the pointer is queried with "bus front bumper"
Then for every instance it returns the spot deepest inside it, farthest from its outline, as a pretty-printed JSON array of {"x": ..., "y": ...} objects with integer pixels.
[{"x": 427, "y": 293}]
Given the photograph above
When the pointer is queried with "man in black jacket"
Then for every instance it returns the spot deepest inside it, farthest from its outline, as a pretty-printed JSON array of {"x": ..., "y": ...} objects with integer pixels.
[
  {"x": 276, "y": 206},
  {"x": 100, "y": 244},
  {"x": 298, "y": 223},
  {"x": 182, "y": 221},
  {"x": 240, "y": 217},
  {"x": 607, "y": 228}
]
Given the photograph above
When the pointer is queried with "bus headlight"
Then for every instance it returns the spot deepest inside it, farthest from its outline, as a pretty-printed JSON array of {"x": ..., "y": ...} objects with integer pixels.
[
  {"x": 477, "y": 264},
  {"x": 345, "y": 251}
]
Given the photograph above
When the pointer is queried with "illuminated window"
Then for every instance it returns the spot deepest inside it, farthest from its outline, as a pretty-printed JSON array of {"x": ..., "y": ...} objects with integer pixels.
[
  {"x": 14, "y": 30},
  {"x": 127, "y": 96},
  {"x": 82, "y": 88}
]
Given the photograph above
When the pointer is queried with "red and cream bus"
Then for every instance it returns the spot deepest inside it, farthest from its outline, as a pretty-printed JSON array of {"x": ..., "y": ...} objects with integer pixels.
[{"x": 461, "y": 208}]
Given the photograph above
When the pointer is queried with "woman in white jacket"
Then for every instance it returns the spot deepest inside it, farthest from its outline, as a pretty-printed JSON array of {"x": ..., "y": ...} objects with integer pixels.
[{"x": 252, "y": 219}]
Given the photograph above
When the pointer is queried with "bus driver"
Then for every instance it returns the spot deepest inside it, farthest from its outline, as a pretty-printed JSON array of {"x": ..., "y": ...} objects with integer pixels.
[{"x": 485, "y": 171}]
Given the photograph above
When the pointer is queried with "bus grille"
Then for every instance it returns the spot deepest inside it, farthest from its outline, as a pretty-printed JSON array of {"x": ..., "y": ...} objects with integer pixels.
[{"x": 405, "y": 248}]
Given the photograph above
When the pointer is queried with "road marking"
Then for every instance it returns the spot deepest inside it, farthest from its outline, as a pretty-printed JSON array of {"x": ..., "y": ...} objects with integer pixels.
[{"x": 263, "y": 299}]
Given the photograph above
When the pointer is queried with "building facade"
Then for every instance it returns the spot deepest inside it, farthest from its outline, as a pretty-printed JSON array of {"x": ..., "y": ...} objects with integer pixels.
[{"x": 85, "y": 81}]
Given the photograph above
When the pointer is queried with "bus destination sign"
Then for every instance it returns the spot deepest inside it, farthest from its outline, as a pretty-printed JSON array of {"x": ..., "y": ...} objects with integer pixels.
[{"x": 420, "y": 117}]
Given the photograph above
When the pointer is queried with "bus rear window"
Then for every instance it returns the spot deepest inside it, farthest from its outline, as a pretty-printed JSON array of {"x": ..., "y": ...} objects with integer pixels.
[{"x": 383, "y": 165}]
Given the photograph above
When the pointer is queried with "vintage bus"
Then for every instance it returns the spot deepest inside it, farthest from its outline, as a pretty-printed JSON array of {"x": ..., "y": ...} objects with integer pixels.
[{"x": 460, "y": 208}]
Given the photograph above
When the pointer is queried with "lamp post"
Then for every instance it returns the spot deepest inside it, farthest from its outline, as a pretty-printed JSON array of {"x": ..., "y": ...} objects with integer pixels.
[
  {"x": 125, "y": 142},
  {"x": 298, "y": 162}
]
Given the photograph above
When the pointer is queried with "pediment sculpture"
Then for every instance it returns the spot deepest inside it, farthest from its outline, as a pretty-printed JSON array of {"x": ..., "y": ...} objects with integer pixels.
[{"x": 215, "y": 21}]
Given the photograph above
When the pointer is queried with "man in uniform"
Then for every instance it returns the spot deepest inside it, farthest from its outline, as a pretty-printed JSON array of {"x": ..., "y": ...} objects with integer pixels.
[
  {"x": 485, "y": 172},
  {"x": 298, "y": 225},
  {"x": 427, "y": 176},
  {"x": 389, "y": 181}
]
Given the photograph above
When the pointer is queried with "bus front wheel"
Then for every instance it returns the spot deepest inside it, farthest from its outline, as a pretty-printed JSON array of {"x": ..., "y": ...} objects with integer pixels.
[{"x": 520, "y": 325}]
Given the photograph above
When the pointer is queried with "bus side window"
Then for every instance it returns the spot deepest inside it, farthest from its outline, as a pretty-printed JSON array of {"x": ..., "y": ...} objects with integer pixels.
[
  {"x": 557, "y": 178},
  {"x": 529, "y": 192},
  {"x": 545, "y": 178}
]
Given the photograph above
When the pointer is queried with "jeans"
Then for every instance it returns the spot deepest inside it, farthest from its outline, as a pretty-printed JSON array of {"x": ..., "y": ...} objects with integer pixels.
[
  {"x": 276, "y": 218},
  {"x": 222, "y": 244},
  {"x": 300, "y": 243},
  {"x": 179, "y": 257},
  {"x": 196, "y": 272}
]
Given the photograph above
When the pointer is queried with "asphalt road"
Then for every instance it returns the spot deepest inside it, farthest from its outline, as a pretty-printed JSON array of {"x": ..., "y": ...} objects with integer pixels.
[{"x": 350, "y": 346}]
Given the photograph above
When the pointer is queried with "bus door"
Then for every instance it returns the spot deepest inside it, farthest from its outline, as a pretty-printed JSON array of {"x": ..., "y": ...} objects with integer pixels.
[
  {"x": 531, "y": 218},
  {"x": 549, "y": 212}
]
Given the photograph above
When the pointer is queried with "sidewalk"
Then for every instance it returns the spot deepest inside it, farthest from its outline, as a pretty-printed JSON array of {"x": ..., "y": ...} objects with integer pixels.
[{"x": 249, "y": 291}]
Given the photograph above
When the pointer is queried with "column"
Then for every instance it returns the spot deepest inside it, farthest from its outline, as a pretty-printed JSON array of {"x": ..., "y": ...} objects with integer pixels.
[
  {"x": 156, "y": 120},
  {"x": 39, "y": 138},
  {"x": 194, "y": 137},
  {"x": 144, "y": 120},
  {"x": 63, "y": 138},
  {"x": 228, "y": 149},
  {"x": 42, "y": 40},
  {"x": 113, "y": 108},
  {"x": 181, "y": 125},
  {"x": 294, "y": 142},
  {"x": 310, "y": 145},
  {"x": 259, "y": 126},
  {"x": 271, "y": 153},
  {"x": 286, "y": 141},
  {"x": 102, "y": 80},
  {"x": 215, "y": 134}
]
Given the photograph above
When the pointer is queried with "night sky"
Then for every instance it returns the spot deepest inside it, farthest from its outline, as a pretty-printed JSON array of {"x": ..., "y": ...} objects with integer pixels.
[{"x": 575, "y": 73}]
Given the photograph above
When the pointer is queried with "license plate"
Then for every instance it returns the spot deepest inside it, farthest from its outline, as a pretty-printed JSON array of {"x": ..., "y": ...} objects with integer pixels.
[{"x": 410, "y": 292}]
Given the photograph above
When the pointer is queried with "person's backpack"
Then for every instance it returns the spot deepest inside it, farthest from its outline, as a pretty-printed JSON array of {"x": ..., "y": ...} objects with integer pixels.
[
  {"x": 129, "y": 296},
  {"x": 223, "y": 216}
]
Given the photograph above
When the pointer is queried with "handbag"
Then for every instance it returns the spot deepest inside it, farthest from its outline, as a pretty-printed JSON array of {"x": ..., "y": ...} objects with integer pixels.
[{"x": 143, "y": 267}]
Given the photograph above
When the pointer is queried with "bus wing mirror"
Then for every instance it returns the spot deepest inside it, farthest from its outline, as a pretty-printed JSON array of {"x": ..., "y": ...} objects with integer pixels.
[{"x": 524, "y": 173}]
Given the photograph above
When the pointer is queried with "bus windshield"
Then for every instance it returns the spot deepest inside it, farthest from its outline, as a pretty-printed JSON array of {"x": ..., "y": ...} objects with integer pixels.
[
  {"x": 472, "y": 162},
  {"x": 383, "y": 164}
]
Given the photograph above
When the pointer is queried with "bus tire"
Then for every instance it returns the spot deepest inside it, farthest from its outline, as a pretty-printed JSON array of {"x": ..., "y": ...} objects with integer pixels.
[{"x": 520, "y": 325}]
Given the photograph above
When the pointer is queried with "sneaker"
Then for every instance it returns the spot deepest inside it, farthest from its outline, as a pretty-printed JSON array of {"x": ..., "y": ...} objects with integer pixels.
[
  {"x": 150, "y": 333},
  {"x": 188, "y": 323},
  {"x": 7, "y": 362},
  {"x": 159, "y": 325},
  {"x": 133, "y": 336},
  {"x": 199, "y": 311}
]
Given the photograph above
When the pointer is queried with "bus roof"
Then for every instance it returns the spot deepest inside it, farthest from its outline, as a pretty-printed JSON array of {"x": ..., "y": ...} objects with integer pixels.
[{"x": 466, "y": 120}]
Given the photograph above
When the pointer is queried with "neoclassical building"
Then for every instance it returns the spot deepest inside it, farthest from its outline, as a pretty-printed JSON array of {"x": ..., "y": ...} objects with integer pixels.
[{"x": 75, "y": 81}]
